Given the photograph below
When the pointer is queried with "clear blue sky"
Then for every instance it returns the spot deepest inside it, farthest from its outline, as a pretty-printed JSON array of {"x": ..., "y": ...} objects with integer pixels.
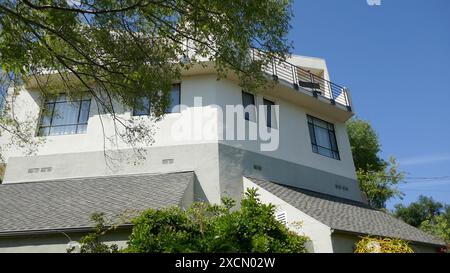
[{"x": 395, "y": 58}]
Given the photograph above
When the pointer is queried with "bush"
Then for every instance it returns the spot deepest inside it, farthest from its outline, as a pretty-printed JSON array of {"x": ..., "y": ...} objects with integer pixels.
[
  {"x": 204, "y": 228},
  {"x": 214, "y": 228},
  {"x": 370, "y": 244},
  {"x": 92, "y": 242}
]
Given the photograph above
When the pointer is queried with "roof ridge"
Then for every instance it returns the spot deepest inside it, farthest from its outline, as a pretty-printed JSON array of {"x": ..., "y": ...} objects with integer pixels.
[{"x": 92, "y": 177}]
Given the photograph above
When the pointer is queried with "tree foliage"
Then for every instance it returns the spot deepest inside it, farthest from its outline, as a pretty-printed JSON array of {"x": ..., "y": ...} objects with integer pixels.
[
  {"x": 438, "y": 225},
  {"x": 378, "y": 179},
  {"x": 92, "y": 243},
  {"x": 415, "y": 213},
  {"x": 205, "y": 228},
  {"x": 212, "y": 228},
  {"x": 380, "y": 186},
  {"x": 365, "y": 145},
  {"x": 371, "y": 244},
  {"x": 126, "y": 50},
  {"x": 427, "y": 214}
]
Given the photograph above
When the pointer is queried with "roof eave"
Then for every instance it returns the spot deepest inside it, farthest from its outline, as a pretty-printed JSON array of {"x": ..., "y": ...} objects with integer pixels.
[
  {"x": 334, "y": 230},
  {"x": 58, "y": 231}
]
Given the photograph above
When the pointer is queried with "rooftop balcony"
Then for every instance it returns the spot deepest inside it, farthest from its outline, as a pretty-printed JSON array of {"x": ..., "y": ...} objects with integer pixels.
[
  {"x": 307, "y": 82},
  {"x": 311, "y": 84}
]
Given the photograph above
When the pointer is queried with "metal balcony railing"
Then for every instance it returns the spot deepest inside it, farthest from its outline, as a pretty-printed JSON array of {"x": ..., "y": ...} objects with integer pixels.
[{"x": 303, "y": 79}]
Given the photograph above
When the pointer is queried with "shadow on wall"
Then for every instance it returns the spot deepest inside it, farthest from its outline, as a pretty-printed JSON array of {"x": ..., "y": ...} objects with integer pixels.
[
  {"x": 234, "y": 164},
  {"x": 199, "y": 194}
]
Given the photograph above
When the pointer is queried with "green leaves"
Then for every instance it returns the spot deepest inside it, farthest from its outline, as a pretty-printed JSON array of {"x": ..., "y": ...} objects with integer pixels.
[
  {"x": 214, "y": 228},
  {"x": 365, "y": 145},
  {"x": 438, "y": 225},
  {"x": 415, "y": 213},
  {"x": 380, "y": 185},
  {"x": 92, "y": 242},
  {"x": 377, "y": 178},
  {"x": 121, "y": 51},
  {"x": 428, "y": 215},
  {"x": 130, "y": 47}
]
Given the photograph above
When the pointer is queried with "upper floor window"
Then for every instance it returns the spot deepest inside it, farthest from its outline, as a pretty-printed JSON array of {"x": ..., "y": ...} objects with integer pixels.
[
  {"x": 323, "y": 137},
  {"x": 248, "y": 101},
  {"x": 175, "y": 99},
  {"x": 144, "y": 108},
  {"x": 62, "y": 116},
  {"x": 270, "y": 115}
]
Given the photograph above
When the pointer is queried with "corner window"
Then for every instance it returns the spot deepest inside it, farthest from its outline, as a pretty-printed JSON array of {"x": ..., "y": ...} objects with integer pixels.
[
  {"x": 248, "y": 101},
  {"x": 62, "y": 116},
  {"x": 270, "y": 115},
  {"x": 323, "y": 137},
  {"x": 144, "y": 108}
]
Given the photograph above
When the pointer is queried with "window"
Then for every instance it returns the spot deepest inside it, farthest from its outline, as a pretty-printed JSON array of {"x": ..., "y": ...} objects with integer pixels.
[
  {"x": 323, "y": 137},
  {"x": 248, "y": 99},
  {"x": 174, "y": 106},
  {"x": 142, "y": 108},
  {"x": 61, "y": 116},
  {"x": 270, "y": 113},
  {"x": 175, "y": 99}
]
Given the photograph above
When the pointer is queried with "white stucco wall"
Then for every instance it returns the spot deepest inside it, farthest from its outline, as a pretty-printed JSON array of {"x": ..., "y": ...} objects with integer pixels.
[
  {"x": 28, "y": 103},
  {"x": 55, "y": 242},
  {"x": 319, "y": 233},
  {"x": 82, "y": 154},
  {"x": 295, "y": 142}
]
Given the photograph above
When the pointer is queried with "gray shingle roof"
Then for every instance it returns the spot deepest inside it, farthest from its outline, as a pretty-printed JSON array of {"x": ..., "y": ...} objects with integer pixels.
[
  {"x": 346, "y": 215},
  {"x": 68, "y": 203}
]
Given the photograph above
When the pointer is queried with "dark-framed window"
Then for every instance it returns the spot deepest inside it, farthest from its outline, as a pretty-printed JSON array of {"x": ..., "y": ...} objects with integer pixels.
[
  {"x": 175, "y": 99},
  {"x": 323, "y": 137},
  {"x": 144, "y": 108},
  {"x": 269, "y": 112},
  {"x": 61, "y": 116},
  {"x": 248, "y": 99}
]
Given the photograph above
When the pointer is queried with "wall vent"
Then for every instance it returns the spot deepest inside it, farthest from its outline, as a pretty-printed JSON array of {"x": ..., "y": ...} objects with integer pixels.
[
  {"x": 42, "y": 170},
  {"x": 281, "y": 217},
  {"x": 33, "y": 170},
  {"x": 257, "y": 167},
  {"x": 46, "y": 170},
  {"x": 340, "y": 187},
  {"x": 167, "y": 161}
]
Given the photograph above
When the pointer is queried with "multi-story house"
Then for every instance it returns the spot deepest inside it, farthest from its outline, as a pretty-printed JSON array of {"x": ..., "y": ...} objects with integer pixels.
[{"x": 299, "y": 159}]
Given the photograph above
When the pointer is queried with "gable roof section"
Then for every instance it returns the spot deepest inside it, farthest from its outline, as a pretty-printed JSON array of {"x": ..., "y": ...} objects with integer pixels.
[
  {"x": 67, "y": 204},
  {"x": 346, "y": 215}
]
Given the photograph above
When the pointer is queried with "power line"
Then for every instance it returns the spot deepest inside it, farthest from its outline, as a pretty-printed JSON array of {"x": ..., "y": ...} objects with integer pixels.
[
  {"x": 429, "y": 178},
  {"x": 425, "y": 181}
]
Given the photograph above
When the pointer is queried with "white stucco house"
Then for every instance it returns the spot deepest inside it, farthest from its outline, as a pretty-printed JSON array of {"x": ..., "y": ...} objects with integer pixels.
[{"x": 46, "y": 199}]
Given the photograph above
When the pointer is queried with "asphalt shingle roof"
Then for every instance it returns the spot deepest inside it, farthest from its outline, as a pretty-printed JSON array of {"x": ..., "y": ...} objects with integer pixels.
[
  {"x": 69, "y": 203},
  {"x": 346, "y": 215}
]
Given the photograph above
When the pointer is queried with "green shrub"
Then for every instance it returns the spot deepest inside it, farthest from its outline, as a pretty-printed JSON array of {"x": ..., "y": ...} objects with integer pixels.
[
  {"x": 204, "y": 228},
  {"x": 214, "y": 228},
  {"x": 92, "y": 243}
]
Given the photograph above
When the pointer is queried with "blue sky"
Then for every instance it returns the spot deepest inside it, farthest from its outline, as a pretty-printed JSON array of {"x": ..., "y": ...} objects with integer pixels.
[{"x": 395, "y": 58}]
